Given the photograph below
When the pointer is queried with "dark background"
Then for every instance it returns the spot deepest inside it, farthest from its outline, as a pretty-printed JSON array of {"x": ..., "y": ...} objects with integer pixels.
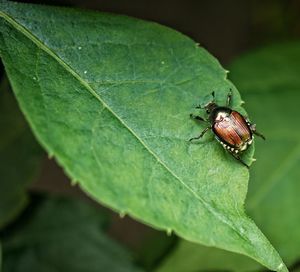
[{"x": 225, "y": 28}]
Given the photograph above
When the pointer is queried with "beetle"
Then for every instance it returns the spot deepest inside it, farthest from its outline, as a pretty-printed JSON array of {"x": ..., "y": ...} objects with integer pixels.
[{"x": 233, "y": 130}]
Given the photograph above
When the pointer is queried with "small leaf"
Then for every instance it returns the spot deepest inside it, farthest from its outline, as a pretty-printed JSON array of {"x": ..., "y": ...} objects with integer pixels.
[
  {"x": 110, "y": 97},
  {"x": 270, "y": 84},
  {"x": 63, "y": 235},
  {"x": 20, "y": 157}
]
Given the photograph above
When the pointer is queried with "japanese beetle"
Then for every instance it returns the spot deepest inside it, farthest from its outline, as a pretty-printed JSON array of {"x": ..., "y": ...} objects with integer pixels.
[{"x": 231, "y": 129}]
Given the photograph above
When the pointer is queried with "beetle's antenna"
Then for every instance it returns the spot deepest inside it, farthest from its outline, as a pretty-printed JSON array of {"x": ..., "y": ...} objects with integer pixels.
[
  {"x": 229, "y": 98},
  {"x": 213, "y": 95}
]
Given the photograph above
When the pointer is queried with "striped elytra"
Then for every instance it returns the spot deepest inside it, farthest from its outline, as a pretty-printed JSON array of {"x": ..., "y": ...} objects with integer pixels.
[{"x": 233, "y": 130}]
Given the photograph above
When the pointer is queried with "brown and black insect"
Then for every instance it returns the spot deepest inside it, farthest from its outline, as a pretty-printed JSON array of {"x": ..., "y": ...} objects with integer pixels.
[{"x": 231, "y": 129}]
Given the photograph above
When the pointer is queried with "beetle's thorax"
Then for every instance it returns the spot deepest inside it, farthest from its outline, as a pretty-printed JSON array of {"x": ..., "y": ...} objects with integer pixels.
[{"x": 219, "y": 114}]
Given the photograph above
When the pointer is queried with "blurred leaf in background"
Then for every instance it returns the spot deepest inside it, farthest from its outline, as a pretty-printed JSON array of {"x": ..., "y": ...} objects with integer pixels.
[
  {"x": 270, "y": 84},
  {"x": 20, "y": 157},
  {"x": 61, "y": 234},
  {"x": 155, "y": 248},
  {"x": 0, "y": 256},
  {"x": 109, "y": 96},
  {"x": 190, "y": 257},
  {"x": 270, "y": 78}
]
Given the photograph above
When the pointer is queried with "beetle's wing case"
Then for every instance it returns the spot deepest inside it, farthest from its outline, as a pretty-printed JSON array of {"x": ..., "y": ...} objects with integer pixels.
[{"x": 233, "y": 130}]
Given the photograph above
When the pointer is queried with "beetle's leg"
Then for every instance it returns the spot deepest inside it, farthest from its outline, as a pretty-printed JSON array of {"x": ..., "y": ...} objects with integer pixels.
[
  {"x": 201, "y": 135},
  {"x": 229, "y": 99},
  {"x": 237, "y": 157},
  {"x": 253, "y": 129},
  {"x": 259, "y": 135},
  {"x": 213, "y": 95},
  {"x": 197, "y": 117}
]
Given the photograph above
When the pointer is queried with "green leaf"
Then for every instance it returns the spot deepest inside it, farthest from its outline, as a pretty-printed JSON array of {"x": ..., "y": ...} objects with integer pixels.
[
  {"x": 273, "y": 192},
  {"x": 109, "y": 96},
  {"x": 63, "y": 235},
  {"x": 154, "y": 248},
  {"x": 20, "y": 157},
  {"x": 192, "y": 257},
  {"x": 270, "y": 84}
]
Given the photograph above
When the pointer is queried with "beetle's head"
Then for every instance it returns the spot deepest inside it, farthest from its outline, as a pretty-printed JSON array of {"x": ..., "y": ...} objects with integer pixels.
[{"x": 211, "y": 104}]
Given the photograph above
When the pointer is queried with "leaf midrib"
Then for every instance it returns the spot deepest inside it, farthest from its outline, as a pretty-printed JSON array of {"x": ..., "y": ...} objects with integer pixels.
[{"x": 68, "y": 68}]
